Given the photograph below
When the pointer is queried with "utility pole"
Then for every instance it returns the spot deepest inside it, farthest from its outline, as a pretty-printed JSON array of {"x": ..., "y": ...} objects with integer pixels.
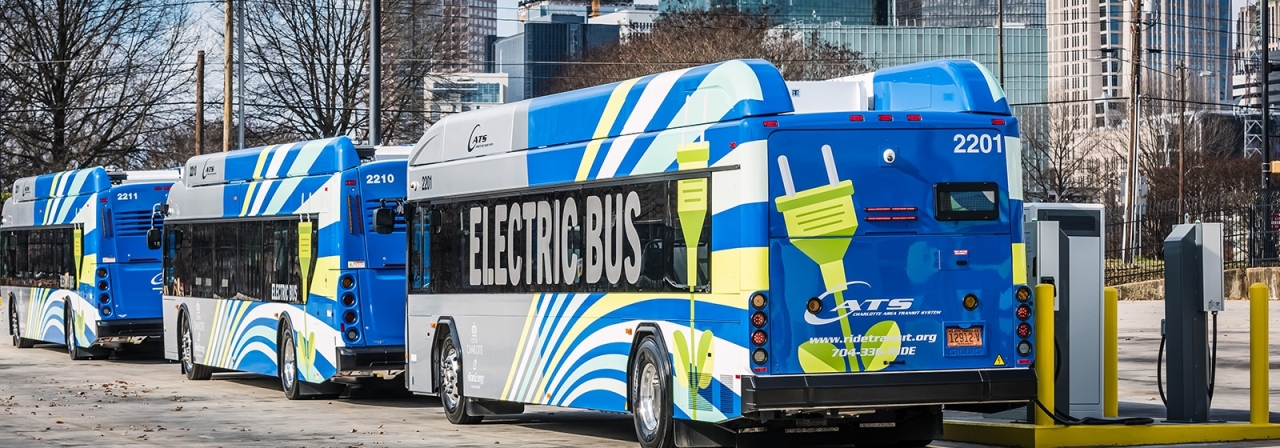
[
  {"x": 1182, "y": 129},
  {"x": 375, "y": 72},
  {"x": 240, "y": 75},
  {"x": 1264, "y": 16},
  {"x": 1000, "y": 40},
  {"x": 1135, "y": 61},
  {"x": 226, "y": 79},
  {"x": 199, "y": 102}
]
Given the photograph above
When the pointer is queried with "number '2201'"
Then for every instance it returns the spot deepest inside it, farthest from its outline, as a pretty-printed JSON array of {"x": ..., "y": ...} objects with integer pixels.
[{"x": 974, "y": 144}]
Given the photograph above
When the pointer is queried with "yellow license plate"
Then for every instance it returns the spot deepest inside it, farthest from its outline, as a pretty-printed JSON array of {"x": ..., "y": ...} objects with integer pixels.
[{"x": 964, "y": 337}]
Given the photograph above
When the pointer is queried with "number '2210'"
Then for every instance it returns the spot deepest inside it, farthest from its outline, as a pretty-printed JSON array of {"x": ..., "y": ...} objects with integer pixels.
[{"x": 973, "y": 143}]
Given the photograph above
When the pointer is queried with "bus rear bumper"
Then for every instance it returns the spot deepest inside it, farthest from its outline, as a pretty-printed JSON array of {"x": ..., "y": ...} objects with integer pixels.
[
  {"x": 368, "y": 359},
  {"x": 885, "y": 389},
  {"x": 129, "y": 328}
]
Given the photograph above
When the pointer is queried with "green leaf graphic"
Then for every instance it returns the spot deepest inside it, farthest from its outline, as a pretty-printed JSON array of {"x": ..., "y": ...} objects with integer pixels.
[
  {"x": 815, "y": 357},
  {"x": 886, "y": 341}
]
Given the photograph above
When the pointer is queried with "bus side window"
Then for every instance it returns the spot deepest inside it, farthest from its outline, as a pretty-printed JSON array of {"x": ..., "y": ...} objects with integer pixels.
[{"x": 420, "y": 247}]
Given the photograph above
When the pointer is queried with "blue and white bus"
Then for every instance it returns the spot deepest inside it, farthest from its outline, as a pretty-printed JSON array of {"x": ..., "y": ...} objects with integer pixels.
[
  {"x": 75, "y": 268},
  {"x": 273, "y": 265},
  {"x": 725, "y": 257}
]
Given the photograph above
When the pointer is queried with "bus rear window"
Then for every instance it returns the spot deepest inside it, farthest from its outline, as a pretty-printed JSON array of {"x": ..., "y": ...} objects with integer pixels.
[{"x": 966, "y": 201}]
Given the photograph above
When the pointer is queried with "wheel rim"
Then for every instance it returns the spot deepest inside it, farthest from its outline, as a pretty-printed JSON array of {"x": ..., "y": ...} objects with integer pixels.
[
  {"x": 13, "y": 322},
  {"x": 646, "y": 406},
  {"x": 69, "y": 335},
  {"x": 188, "y": 361},
  {"x": 290, "y": 371},
  {"x": 449, "y": 378}
]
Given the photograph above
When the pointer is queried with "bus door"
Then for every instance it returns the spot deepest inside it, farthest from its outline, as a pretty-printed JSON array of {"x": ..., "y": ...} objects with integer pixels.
[{"x": 872, "y": 269}]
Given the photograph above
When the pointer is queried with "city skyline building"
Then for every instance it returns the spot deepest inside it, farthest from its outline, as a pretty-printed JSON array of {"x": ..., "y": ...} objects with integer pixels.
[
  {"x": 968, "y": 13},
  {"x": 450, "y": 93},
  {"x": 468, "y": 23},
  {"x": 845, "y": 12},
  {"x": 1090, "y": 56},
  {"x": 534, "y": 58}
]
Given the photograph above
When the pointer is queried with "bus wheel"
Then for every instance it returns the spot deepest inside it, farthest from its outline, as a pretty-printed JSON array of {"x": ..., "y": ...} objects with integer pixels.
[
  {"x": 18, "y": 340},
  {"x": 288, "y": 362},
  {"x": 187, "y": 353},
  {"x": 451, "y": 395},
  {"x": 650, "y": 379},
  {"x": 69, "y": 330}
]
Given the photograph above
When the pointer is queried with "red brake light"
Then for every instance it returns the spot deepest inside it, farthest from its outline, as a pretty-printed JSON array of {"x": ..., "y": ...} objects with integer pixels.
[
  {"x": 103, "y": 200},
  {"x": 886, "y": 117},
  {"x": 351, "y": 183},
  {"x": 1024, "y": 330},
  {"x": 771, "y": 124},
  {"x": 1024, "y": 312},
  {"x": 759, "y": 319},
  {"x": 913, "y": 117},
  {"x": 733, "y": 145},
  {"x": 759, "y": 338},
  {"x": 857, "y": 118},
  {"x": 166, "y": 188},
  {"x": 997, "y": 121},
  {"x": 159, "y": 188}
]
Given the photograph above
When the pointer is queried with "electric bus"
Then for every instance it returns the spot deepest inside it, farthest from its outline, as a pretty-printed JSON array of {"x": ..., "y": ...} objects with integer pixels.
[
  {"x": 273, "y": 265},
  {"x": 75, "y": 268},
  {"x": 692, "y": 248}
]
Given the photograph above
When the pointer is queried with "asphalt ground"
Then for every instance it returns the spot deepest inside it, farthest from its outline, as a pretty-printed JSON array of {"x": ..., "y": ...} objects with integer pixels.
[{"x": 136, "y": 400}]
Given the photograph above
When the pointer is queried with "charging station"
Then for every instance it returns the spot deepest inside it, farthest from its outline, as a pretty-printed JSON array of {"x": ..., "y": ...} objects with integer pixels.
[
  {"x": 1192, "y": 289},
  {"x": 1065, "y": 244}
]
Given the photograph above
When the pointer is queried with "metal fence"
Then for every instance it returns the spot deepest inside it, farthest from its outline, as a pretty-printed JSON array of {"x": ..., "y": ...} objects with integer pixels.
[{"x": 1248, "y": 239}]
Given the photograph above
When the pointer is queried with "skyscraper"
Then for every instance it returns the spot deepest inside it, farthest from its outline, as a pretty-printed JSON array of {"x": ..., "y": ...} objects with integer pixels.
[
  {"x": 968, "y": 13},
  {"x": 469, "y": 21},
  {"x": 847, "y": 12},
  {"x": 1090, "y": 55}
]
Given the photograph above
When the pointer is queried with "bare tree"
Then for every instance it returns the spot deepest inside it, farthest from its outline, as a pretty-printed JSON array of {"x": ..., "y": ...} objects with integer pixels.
[
  {"x": 309, "y": 64},
  {"x": 688, "y": 37},
  {"x": 1062, "y": 160},
  {"x": 88, "y": 82}
]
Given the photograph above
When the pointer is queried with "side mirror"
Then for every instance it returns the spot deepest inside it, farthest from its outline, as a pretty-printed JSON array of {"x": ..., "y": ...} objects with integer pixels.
[
  {"x": 384, "y": 221},
  {"x": 153, "y": 238}
]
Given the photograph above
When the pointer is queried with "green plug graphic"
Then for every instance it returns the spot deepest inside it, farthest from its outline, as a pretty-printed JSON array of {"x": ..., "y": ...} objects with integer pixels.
[
  {"x": 307, "y": 356},
  {"x": 821, "y": 222},
  {"x": 694, "y": 366},
  {"x": 80, "y": 329},
  {"x": 691, "y": 206}
]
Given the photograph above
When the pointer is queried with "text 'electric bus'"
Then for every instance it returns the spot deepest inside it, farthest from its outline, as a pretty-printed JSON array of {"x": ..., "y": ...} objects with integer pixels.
[
  {"x": 689, "y": 248},
  {"x": 75, "y": 268},
  {"x": 273, "y": 266}
]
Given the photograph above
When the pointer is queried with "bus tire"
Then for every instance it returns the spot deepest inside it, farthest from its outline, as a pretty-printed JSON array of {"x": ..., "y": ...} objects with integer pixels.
[
  {"x": 287, "y": 362},
  {"x": 14, "y": 329},
  {"x": 69, "y": 337},
  {"x": 452, "y": 397},
  {"x": 650, "y": 384},
  {"x": 187, "y": 353}
]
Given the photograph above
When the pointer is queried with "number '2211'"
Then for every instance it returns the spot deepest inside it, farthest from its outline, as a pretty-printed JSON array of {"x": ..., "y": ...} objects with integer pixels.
[{"x": 973, "y": 144}]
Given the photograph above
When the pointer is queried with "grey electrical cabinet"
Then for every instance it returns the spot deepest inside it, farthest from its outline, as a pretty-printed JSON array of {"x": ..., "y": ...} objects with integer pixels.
[{"x": 1073, "y": 261}]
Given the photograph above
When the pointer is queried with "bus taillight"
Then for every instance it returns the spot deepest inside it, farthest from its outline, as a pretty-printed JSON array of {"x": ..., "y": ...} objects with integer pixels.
[
  {"x": 349, "y": 317},
  {"x": 759, "y": 319},
  {"x": 1024, "y": 330},
  {"x": 1024, "y": 348},
  {"x": 1024, "y": 312},
  {"x": 760, "y": 356},
  {"x": 348, "y": 299},
  {"x": 759, "y": 337}
]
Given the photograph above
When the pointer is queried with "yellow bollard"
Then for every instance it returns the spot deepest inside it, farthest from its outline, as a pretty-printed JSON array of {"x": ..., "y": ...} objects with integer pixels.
[
  {"x": 1044, "y": 351},
  {"x": 1259, "y": 306},
  {"x": 1110, "y": 353}
]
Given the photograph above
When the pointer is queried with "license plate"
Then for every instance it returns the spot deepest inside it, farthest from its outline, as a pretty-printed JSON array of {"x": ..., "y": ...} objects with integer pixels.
[{"x": 964, "y": 337}]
